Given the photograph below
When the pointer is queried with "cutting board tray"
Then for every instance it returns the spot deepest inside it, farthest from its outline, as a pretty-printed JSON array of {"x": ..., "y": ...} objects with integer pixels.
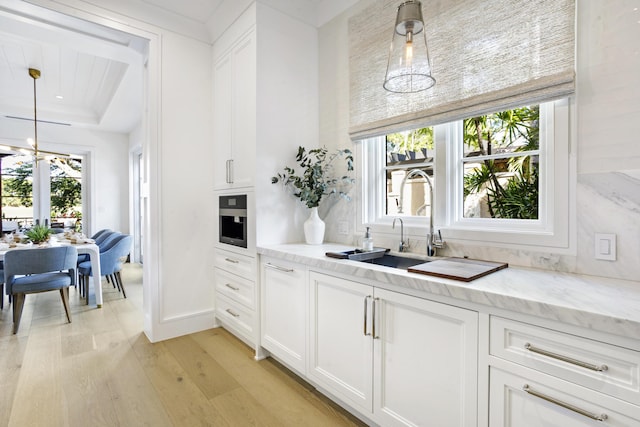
[
  {"x": 463, "y": 269},
  {"x": 358, "y": 254}
]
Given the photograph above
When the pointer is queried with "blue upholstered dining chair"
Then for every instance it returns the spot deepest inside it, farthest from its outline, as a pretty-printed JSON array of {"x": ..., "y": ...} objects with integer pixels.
[
  {"x": 98, "y": 237},
  {"x": 29, "y": 271},
  {"x": 104, "y": 242},
  {"x": 110, "y": 264},
  {"x": 111, "y": 239}
]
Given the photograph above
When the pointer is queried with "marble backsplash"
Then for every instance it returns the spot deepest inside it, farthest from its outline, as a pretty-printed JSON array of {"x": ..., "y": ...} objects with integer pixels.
[{"x": 605, "y": 203}]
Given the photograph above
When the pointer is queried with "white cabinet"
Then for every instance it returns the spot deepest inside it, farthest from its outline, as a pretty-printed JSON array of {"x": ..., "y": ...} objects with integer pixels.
[
  {"x": 532, "y": 399},
  {"x": 400, "y": 360},
  {"x": 340, "y": 344},
  {"x": 234, "y": 114},
  {"x": 425, "y": 358},
  {"x": 284, "y": 312},
  {"x": 544, "y": 377},
  {"x": 236, "y": 294},
  {"x": 603, "y": 367}
]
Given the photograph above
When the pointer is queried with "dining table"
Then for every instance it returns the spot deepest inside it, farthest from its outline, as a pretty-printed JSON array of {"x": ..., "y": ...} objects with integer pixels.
[{"x": 83, "y": 245}]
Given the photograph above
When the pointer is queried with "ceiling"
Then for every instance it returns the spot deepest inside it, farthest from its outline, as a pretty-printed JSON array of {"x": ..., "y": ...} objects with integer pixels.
[{"x": 91, "y": 76}]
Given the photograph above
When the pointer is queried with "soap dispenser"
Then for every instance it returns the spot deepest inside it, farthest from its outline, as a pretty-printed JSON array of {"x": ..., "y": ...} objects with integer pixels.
[{"x": 367, "y": 242}]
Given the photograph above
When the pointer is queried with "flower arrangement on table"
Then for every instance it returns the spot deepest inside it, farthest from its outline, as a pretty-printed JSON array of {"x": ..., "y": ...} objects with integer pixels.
[
  {"x": 316, "y": 181},
  {"x": 38, "y": 234}
]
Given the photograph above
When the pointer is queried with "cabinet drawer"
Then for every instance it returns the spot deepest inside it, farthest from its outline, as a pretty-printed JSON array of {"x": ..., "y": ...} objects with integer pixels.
[
  {"x": 603, "y": 367},
  {"x": 236, "y": 317},
  {"x": 241, "y": 265},
  {"x": 235, "y": 287},
  {"x": 533, "y": 399}
]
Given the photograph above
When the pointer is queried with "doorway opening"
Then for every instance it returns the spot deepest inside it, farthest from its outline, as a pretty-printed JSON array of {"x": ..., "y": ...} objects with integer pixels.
[{"x": 94, "y": 82}]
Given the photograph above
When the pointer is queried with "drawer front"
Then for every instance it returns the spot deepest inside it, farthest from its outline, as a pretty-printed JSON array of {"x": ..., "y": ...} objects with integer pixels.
[
  {"x": 241, "y": 265},
  {"x": 236, "y": 288},
  {"x": 599, "y": 366},
  {"x": 236, "y": 318},
  {"x": 533, "y": 399}
]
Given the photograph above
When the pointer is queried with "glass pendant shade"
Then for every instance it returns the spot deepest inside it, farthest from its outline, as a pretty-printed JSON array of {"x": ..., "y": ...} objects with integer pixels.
[{"x": 408, "y": 68}]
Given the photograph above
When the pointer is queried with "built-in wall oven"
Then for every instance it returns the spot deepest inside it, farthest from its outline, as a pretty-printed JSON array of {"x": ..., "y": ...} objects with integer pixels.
[{"x": 233, "y": 220}]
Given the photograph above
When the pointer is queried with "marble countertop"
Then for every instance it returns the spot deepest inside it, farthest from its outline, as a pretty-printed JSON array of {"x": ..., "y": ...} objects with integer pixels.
[{"x": 598, "y": 303}]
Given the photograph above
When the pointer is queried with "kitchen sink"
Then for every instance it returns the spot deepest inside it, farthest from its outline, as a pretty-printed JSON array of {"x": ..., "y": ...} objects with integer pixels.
[
  {"x": 395, "y": 261},
  {"x": 378, "y": 256}
]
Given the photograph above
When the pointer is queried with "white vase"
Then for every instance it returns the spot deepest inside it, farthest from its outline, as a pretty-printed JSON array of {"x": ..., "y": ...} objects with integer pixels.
[{"x": 314, "y": 228}]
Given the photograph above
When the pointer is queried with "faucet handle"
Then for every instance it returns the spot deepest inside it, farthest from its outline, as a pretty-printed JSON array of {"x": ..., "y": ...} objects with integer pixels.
[{"x": 437, "y": 241}]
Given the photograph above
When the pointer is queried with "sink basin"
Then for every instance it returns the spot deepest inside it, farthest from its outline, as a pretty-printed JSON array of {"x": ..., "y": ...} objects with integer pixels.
[
  {"x": 378, "y": 256},
  {"x": 395, "y": 261}
]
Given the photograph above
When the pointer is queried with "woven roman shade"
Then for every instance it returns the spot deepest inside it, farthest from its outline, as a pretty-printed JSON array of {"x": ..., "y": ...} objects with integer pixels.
[{"x": 487, "y": 55}]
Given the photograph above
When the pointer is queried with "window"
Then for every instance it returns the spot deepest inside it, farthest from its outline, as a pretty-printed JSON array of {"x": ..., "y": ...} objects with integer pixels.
[
  {"x": 19, "y": 187},
  {"x": 500, "y": 164},
  {"x": 66, "y": 192},
  {"x": 501, "y": 178},
  {"x": 409, "y": 151}
]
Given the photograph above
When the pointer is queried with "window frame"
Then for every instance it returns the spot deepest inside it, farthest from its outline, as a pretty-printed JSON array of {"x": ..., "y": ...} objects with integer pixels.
[{"x": 553, "y": 230}]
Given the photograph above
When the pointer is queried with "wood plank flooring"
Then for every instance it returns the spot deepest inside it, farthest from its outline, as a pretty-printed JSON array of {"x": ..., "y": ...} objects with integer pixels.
[{"x": 101, "y": 370}]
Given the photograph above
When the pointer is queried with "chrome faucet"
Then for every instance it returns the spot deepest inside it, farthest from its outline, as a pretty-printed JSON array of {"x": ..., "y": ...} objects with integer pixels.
[
  {"x": 401, "y": 247},
  {"x": 433, "y": 242}
]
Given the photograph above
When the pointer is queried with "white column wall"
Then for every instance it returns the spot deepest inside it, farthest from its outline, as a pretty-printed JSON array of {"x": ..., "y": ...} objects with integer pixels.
[
  {"x": 186, "y": 186},
  {"x": 287, "y": 106}
]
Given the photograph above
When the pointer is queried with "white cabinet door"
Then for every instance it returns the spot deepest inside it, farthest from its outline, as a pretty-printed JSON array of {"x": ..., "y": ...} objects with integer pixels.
[
  {"x": 243, "y": 120},
  {"x": 234, "y": 114},
  {"x": 222, "y": 101},
  {"x": 538, "y": 400},
  {"x": 406, "y": 360},
  {"x": 284, "y": 312},
  {"x": 425, "y": 362},
  {"x": 340, "y": 351}
]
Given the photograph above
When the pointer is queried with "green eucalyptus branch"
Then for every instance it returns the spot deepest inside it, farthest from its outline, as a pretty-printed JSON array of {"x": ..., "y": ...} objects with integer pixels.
[{"x": 317, "y": 177}]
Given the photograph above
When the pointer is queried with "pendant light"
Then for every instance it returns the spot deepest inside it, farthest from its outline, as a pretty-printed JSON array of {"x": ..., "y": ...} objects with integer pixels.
[
  {"x": 409, "y": 68},
  {"x": 35, "y": 74},
  {"x": 34, "y": 150}
]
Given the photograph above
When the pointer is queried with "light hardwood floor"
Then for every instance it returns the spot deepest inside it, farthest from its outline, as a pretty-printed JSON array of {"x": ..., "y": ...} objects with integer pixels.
[{"x": 101, "y": 370}]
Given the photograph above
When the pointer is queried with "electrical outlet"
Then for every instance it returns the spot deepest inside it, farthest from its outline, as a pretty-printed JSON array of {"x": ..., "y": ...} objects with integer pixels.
[
  {"x": 343, "y": 228},
  {"x": 605, "y": 246}
]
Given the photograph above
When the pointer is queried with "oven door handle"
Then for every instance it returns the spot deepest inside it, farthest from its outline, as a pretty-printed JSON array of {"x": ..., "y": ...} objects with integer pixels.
[{"x": 242, "y": 213}]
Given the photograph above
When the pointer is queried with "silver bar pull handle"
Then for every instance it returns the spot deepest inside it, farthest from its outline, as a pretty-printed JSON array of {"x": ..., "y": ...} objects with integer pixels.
[
  {"x": 226, "y": 177},
  {"x": 232, "y": 261},
  {"x": 591, "y": 366},
  {"x": 373, "y": 318},
  {"x": 366, "y": 309},
  {"x": 277, "y": 267},
  {"x": 228, "y": 310},
  {"x": 228, "y": 285},
  {"x": 230, "y": 181},
  {"x": 597, "y": 417}
]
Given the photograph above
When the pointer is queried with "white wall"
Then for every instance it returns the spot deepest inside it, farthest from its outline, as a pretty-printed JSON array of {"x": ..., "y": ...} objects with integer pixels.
[
  {"x": 608, "y": 105},
  {"x": 187, "y": 212},
  {"x": 287, "y": 118},
  {"x": 334, "y": 116}
]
